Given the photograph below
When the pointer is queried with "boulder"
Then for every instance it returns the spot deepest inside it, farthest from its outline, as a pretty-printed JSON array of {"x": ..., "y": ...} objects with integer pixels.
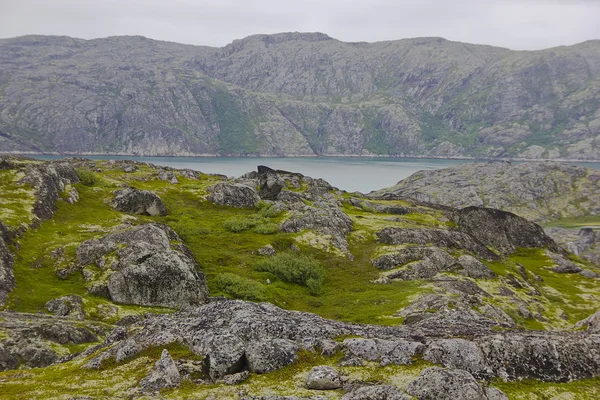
[
  {"x": 493, "y": 393},
  {"x": 233, "y": 195},
  {"x": 66, "y": 334},
  {"x": 168, "y": 176},
  {"x": 425, "y": 263},
  {"x": 7, "y": 360},
  {"x": 501, "y": 230},
  {"x": 72, "y": 196},
  {"x": 563, "y": 265},
  {"x": 270, "y": 355},
  {"x": 270, "y": 185},
  {"x": 223, "y": 353},
  {"x": 376, "y": 392},
  {"x": 163, "y": 375},
  {"x": 474, "y": 268},
  {"x": 66, "y": 306},
  {"x": 144, "y": 269},
  {"x": 323, "y": 377},
  {"x": 399, "y": 352},
  {"x": 236, "y": 379},
  {"x": 135, "y": 201},
  {"x": 445, "y": 384}
]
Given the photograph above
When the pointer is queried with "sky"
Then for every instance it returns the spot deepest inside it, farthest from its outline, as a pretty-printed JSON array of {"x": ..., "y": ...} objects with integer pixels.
[{"x": 516, "y": 24}]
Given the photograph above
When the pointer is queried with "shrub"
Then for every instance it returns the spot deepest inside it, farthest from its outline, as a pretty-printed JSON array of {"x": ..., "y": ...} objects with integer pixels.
[
  {"x": 87, "y": 177},
  {"x": 296, "y": 268},
  {"x": 240, "y": 287},
  {"x": 239, "y": 224},
  {"x": 266, "y": 210},
  {"x": 267, "y": 228},
  {"x": 186, "y": 227}
]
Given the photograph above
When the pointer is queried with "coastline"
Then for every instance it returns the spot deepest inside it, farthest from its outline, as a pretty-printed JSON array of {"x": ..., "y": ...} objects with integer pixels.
[{"x": 357, "y": 156}]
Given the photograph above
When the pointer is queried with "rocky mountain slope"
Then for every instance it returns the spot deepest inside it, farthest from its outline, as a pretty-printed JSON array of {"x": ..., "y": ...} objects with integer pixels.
[
  {"x": 123, "y": 279},
  {"x": 298, "y": 94}
]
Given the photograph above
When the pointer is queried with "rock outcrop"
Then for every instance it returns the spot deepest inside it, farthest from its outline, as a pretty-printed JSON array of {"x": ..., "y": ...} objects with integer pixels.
[
  {"x": 66, "y": 306},
  {"x": 263, "y": 338},
  {"x": 538, "y": 191},
  {"x": 135, "y": 201},
  {"x": 233, "y": 194},
  {"x": 323, "y": 377},
  {"x": 7, "y": 277},
  {"x": 442, "y": 384},
  {"x": 164, "y": 375},
  {"x": 144, "y": 269}
]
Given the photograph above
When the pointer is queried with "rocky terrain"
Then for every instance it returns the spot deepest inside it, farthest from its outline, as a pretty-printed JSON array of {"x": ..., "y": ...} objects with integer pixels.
[
  {"x": 123, "y": 279},
  {"x": 298, "y": 94},
  {"x": 544, "y": 192}
]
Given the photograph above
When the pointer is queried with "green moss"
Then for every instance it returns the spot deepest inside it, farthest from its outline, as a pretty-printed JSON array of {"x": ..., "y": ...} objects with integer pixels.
[{"x": 528, "y": 389}]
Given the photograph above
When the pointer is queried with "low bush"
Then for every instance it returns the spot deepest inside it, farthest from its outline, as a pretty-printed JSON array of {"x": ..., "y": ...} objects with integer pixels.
[
  {"x": 267, "y": 228},
  {"x": 301, "y": 269},
  {"x": 240, "y": 287},
  {"x": 239, "y": 224},
  {"x": 87, "y": 177}
]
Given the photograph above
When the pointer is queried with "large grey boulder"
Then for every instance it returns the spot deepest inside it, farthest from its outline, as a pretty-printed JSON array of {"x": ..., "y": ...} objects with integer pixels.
[
  {"x": 163, "y": 375},
  {"x": 399, "y": 352},
  {"x": 323, "y": 377},
  {"x": 223, "y": 353},
  {"x": 501, "y": 230},
  {"x": 135, "y": 201},
  {"x": 233, "y": 194},
  {"x": 270, "y": 355},
  {"x": 7, "y": 359},
  {"x": 445, "y": 384},
  {"x": 144, "y": 269},
  {"x": 376, "y": 392},
  {"x": 270, "y": 183},
  {"x": 425, "y": 263}
]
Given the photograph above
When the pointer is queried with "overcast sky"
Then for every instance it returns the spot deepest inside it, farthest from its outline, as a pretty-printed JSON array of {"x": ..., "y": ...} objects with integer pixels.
[{"x": 517, "y": 24}]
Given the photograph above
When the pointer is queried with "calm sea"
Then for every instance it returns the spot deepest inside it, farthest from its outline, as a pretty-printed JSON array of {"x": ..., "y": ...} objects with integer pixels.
[{"x": 350, "y": 174}]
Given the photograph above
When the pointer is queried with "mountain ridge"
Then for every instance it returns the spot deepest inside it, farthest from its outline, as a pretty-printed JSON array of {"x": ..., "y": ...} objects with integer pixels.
[{"x": 299, "y": 94}]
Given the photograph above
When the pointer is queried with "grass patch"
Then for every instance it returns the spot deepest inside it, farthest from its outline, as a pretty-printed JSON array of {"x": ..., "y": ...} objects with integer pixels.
[
  {"x": 529, "y": 389},
  {"x": 576, "y": 222}
]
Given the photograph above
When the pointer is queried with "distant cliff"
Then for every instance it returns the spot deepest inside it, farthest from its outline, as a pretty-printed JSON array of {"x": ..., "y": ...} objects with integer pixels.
[{"x": 298, "y": 94}]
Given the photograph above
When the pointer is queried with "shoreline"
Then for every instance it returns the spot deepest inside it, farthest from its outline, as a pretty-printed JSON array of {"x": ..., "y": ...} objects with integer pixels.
[{"x": 358, "y": 156}]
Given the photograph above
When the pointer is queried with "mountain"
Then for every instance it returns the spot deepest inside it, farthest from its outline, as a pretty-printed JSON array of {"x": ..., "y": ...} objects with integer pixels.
[{"x": 298, "y": 94}]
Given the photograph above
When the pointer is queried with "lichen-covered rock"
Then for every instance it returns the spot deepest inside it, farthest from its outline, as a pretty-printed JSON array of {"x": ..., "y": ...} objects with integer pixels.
[
  {"x": 7, "y": 277},
  {"x": 436, "y": 237},
  {"x": 168, "y": 176},
  {"x": 163, "y": 375},
  {"x": 493, "y": 393},
  {"x": 445, "y": 384},
  {"x": 376, "y": 392},
  {"x": 72, "y": 196},
  {"x": 236, "y": 379},
  {"x": 592, "y": 323},
  {"x": 223, "y": 353},
  {"x": 547, "y": 357},
  {"x": 323, "y": 377},
  {"x": 66, "y": 334},
  {"x": 270, "y": 185},
  {"x": 66, "y": 306},
  {"x": 270, "y": 355},
  {"x": 233, "y": 195},
  {"x": 474, "y": 268},
  {"x": 49, "y": 181},
  {"x": 460, "y": 354},
  {"x": 147, "y": 271},
  {"x": 501, "y": 230},
  {"x": 135, "y": 201},
  {"x": 563, "y": 265},
  {"x": 399, "y": 352},
  {"x": 7, "y": 360}
]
